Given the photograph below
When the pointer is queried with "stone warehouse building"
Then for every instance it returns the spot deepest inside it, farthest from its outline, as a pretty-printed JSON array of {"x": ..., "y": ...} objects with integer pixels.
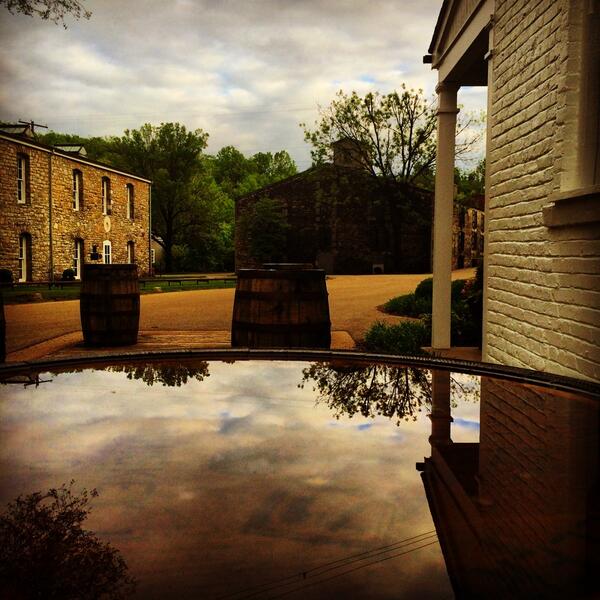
[
  {"x": 540, "y": 62},
  {"x": 343, "y": 220},
  {"x": 56, "y": 205},
  {"x": 468, "y": 226}
]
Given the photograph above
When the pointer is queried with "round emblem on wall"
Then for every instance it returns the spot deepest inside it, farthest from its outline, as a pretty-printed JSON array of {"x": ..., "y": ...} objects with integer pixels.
[{"x": 107, "y": 224}]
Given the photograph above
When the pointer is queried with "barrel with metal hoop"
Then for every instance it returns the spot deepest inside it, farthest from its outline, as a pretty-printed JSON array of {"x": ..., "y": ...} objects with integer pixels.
[
  {"x": 281, "y": 306},
  {"x": 110, "y": 304}
]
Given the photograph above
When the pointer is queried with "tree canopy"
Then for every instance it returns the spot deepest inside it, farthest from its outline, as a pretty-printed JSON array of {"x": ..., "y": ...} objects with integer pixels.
[
  {"x": 393, "y": 135},
  {"x": 169, "y": 155},
  {"x": 53, "y": 10}
]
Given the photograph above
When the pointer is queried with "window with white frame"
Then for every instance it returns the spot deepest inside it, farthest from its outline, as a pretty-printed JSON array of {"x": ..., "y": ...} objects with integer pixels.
[
  {"x": 130, "y": 252},
  {"x": 77, "y": 189},
  {"x": 22, "y": 174},
  {"x": 78, "y": 258},
  {"x": 106, "y": 197},
  {"x": 130, "y": 201},
  {"x": 153, "y": 255},
  {"x": 24, "y": 257},
  {"x": 107, "y": 252}
]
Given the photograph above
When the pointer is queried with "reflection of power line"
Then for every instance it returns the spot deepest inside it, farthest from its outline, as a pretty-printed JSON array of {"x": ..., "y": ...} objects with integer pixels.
[
  {"x": 303, "y": 587},
  {"x": 331, "y": 566}
]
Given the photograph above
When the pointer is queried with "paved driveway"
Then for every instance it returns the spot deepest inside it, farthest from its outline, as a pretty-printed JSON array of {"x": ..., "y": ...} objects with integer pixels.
[{"x": 353, "y": 301}]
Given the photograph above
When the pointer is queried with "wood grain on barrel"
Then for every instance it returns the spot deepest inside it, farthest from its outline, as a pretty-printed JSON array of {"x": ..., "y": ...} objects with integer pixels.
[
  {"x": 110, "y": 305},
  {"x": 281, "y": 309}
]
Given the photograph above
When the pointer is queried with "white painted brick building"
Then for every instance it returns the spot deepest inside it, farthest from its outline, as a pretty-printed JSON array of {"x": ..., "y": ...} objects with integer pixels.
[{"x": 540, "y": 61}]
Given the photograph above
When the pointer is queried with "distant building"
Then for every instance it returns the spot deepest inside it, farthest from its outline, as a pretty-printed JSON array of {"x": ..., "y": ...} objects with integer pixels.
[
  {"x": 56, "y": 205},
  {"x": 468, "y": 227},
  {"x": 343, "y": 220}
]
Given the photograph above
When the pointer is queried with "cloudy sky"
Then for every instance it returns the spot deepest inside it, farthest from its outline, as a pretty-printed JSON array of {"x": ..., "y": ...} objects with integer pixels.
[{"x": 246, "y": 71}]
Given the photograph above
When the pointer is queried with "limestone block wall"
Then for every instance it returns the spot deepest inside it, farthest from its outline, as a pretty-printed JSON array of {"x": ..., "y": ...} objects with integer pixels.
[
  {"x": 30, "y": 217},
  {"x": 87, "y": 223},
  {"x": 543, "y": 304}
]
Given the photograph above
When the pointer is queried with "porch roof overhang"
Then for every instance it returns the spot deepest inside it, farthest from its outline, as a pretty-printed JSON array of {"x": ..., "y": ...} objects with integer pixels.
[{"x": 460, "y": 43}]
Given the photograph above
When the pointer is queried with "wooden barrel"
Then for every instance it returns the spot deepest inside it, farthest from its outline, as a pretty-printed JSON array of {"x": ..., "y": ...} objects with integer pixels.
[
  {"x": 281, "y": 308},
  {"x": 110, "y": 305}
]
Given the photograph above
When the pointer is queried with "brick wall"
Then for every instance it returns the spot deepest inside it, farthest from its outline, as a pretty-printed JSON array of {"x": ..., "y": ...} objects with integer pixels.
[
  {"x": 538, "y": 462},
  {"x": 68, "y": 224},
  {"x": 543, "y": 284}
]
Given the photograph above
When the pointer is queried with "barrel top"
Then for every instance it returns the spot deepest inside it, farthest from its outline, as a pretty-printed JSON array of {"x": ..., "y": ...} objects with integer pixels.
[
  {"x": 288, "y": 266},
  {"x": 280, "y": 274}
]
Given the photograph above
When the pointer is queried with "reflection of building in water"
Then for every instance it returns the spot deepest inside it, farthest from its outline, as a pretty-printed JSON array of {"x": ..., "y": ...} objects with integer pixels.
[{"x": 519, "y": 513}]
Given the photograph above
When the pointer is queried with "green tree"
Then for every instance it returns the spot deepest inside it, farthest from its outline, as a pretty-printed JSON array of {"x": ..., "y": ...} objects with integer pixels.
[
  {"x": 265, "y": 228},
  {"x": 53, "y": 10},
  {"x": 238, "y": 175},
  {"x": 393, "y": 135},
  {"x": 97, "y": 148},
  {"x": 470, "y": 183},
  {"x": 169, "y": 155}
]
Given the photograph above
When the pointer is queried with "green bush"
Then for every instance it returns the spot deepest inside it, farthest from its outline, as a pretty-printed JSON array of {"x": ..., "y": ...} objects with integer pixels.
[
  {"x": 466, "y": 315},
  {"x": 425, "y": 289},
  {"x": 68, "y": 275},
  {"x": 403, "y": 338},
  {"x": 408, "y": 306}
]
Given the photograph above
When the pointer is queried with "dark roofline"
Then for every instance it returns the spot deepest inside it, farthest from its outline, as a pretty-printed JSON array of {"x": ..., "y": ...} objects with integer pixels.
[
  {"x": 281, "y": 182},
  {"x": 438, "y": 24},
  {"x": 77, "y": 158}
]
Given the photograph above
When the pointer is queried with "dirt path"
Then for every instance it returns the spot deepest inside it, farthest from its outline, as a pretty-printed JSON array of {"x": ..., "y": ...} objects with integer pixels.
[{"x": 353, "y": 301}]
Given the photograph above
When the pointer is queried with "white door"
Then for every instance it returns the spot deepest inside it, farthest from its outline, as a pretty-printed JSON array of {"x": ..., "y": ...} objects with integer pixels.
[
  {"x": 23, "y": 258},
  {"x": 107, "y": 253},
  {"x": 77, "y": 258}
]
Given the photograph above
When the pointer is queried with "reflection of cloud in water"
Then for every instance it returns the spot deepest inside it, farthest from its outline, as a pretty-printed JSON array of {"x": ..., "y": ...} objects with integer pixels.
[
  {"x": 466, "y": 424},
  {"x": 239, "y": 470}
]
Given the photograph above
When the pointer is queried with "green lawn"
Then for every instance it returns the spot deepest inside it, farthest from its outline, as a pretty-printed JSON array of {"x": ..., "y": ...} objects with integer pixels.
[{"x": 26, "y": 294}]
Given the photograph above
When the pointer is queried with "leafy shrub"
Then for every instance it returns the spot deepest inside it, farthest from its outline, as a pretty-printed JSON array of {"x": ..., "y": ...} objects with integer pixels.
[
  {"x": 403, "y": 338},
  {"x": 6, "y": 276},
  {"x": 68, "y": 275},
  {"x": 425, "y": 289},
  {"x": 466, "y": 311}
]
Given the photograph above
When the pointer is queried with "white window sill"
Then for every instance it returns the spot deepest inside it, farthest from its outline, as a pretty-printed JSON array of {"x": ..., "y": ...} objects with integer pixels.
[{"x": 573, "y": 207}]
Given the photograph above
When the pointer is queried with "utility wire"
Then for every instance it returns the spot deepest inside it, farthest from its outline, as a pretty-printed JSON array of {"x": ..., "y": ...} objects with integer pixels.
[{"x": 329, "y": 566}]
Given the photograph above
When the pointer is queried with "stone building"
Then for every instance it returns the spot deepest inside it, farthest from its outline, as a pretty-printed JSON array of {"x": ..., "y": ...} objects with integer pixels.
[
  {"x": 468, "y": 226},
  {"x": 56, "y": 205},
  {"x": 539, "y": 61},
  {"x": 343, "y": 220}
]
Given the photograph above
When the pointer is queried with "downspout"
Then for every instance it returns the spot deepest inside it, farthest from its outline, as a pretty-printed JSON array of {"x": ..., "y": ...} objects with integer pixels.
[
  {"x": 150, "y": 273},
  {"x": 51, "y": 257}
]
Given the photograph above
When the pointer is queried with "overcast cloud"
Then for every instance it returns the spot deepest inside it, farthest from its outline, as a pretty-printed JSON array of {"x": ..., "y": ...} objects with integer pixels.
[{"x": 247, "y": 72}]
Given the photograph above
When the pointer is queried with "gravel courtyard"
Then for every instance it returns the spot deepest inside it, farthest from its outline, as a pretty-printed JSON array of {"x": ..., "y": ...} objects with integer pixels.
[{"x": 353, "y": 301}]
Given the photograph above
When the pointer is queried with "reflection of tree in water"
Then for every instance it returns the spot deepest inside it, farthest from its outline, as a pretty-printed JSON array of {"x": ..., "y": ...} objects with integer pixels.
[
  {"x": 394, "y": 392},
  {"x": 168, "y": 374},
  {"x": 45, "y": 553}
]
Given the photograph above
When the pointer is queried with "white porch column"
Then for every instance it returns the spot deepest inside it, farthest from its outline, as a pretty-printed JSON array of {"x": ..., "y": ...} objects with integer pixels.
[{"x": 442, "y": 224}]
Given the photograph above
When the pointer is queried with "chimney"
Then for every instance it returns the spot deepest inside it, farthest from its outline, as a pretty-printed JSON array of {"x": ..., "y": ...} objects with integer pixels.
[{"x": 346, "y": 153}]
